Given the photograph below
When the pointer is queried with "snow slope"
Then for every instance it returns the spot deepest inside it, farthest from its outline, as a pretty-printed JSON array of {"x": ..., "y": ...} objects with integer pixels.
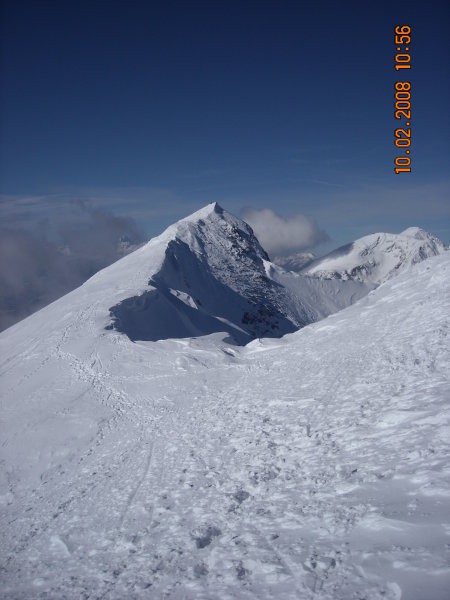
[
  {"x": 376, "y": 258},
  {"x": 314, "y": 466}
]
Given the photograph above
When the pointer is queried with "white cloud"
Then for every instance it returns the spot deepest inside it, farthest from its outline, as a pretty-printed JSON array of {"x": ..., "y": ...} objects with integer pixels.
[
  {"x": 280, "y": 235},
  {"x": 46, "y": 253}
]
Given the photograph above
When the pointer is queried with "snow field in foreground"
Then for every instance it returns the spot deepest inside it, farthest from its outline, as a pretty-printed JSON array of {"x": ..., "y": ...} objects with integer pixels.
[{"x": 313, "y": 466}]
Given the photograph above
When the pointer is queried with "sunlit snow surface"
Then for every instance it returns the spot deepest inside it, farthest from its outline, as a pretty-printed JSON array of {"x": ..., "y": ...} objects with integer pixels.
[
  {"x": 375, "y": 258},
  {"x": 313, "y": 466}
]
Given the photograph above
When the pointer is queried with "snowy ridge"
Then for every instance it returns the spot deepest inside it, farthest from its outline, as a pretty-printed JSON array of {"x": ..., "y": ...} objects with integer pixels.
[
  {"x": 312, "y": 466},
  {"x": 376, "y": 258}
]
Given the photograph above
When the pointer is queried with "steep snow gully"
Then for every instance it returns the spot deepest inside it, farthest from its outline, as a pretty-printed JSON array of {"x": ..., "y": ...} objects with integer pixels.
[{"x": 311, "y": 466}]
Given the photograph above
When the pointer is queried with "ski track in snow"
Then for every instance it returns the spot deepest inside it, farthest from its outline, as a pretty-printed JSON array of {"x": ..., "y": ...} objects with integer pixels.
[{"x": 310, "y": 467}]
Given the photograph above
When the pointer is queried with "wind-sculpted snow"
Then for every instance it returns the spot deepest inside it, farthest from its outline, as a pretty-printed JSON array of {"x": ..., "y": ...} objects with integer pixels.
[{"x": 314, "y": 466}]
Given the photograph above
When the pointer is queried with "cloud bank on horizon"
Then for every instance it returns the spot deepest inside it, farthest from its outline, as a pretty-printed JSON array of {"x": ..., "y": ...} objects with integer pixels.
[
  {"x": 281, "y": 235},
  {"x": 44, "y": 258}
]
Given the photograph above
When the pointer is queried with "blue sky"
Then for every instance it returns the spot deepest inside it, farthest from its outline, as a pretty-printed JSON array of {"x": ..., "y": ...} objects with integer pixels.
[{"x": 152, "y": 109}]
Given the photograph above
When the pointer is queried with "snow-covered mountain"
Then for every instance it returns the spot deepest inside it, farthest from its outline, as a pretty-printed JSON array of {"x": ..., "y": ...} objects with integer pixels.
[
  {"x": 312, "y": 466},
  {"x": 206, "y": 273},
  {"x": 376, "y": 258}
]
